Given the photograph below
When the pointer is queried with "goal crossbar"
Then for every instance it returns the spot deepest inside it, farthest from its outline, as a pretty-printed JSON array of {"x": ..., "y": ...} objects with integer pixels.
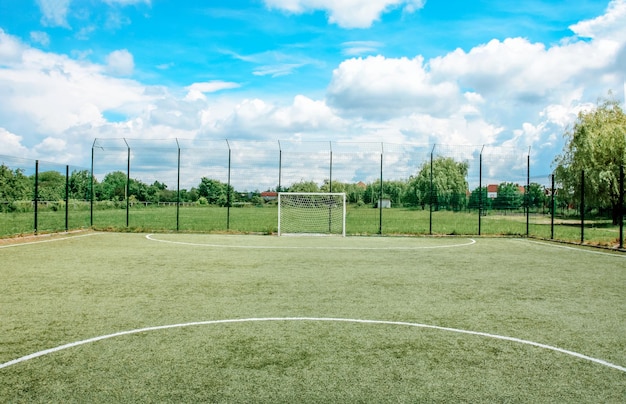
[{"x": 312, "y": 213}]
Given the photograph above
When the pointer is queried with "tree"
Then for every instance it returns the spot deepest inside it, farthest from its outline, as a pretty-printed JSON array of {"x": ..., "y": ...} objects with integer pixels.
[
  {"x": 509, "y": 197},
  {"x": 449, "y": 185},
  {"x": 138, "y": 189},
  {"x": 112, "y": 187},
  {"x": 14, "y": 185},
  {"x": 536, "y": 196},
  {"x": 337, "y": 186},
  {"x": 215, "y": 192},
  {"x": 393, "y": 190},
  {"x": 355, "y": 193},
  {"x": 51, "y": 186},
  {"x": 304, "y": 186},
  {"x": 596, "y": 144},
  {"x": 80, "y": 184},
  {"x": 476, "y": 199}
]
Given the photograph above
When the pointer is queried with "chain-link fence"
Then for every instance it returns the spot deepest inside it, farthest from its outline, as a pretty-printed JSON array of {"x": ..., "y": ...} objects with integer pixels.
[
  {"x": 40, "y": 196},
  {"x": 231, "y": 185}
]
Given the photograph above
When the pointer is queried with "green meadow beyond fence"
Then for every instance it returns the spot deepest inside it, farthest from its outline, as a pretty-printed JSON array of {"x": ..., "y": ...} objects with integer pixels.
[{"x": 231, "y": 186}]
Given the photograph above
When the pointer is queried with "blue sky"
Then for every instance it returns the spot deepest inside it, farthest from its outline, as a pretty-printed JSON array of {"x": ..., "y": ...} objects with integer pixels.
[{"x": 400, "y": 71}]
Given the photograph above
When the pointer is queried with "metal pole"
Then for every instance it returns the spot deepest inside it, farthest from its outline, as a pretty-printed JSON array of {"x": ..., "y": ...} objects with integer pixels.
[
  {"x": 330, "y": 184},
  {"x": 228, "y": 189},
  {"x": 553, "y": 206},
  {"x": 527, "y": 196},
  {"x": 36, "y": 196},
  {"x": 331, "y": 167},
  {"x": 582, "y": 207},
  {"x": 178, "y": 189},
  {"x": 621, "y": 206},
  {"x": 280, "y": 166},
  {"x": 480, "y": 190},
  {"x": 432, "y": 196},
  {"x": 91, "y": 190},
  {"x": 67, "y": 196},
  {"x": 127, "y": 184},
  {"x": 380, "y": 195}
]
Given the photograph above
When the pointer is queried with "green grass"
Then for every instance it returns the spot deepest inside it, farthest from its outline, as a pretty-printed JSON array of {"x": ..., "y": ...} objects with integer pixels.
[
  {"x": 63, "y": 291},
  {"x": 359, "y": 221}
]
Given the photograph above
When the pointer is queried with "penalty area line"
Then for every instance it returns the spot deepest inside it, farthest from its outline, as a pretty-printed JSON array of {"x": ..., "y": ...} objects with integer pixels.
[
  {"x": 276, "y": 247},
  {"x": 50, "y": 240},
  {"x": 318, "y": 319}
]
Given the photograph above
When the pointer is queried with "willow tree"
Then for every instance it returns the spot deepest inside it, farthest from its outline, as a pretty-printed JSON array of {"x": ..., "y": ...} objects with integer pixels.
[
  {"x": 441, "y": 183},
  {"x": 595, "y": 144}
]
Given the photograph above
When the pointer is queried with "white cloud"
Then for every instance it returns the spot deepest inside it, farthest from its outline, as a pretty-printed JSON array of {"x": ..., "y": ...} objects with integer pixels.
[
  {"x": 213, "y": 86},
  {"x": 85, "y": 32},
  {"x": 51, "y": 146},
  {"x": 10, "y": 49},
  {"x": 347, "y": 13},
  {"x": 45, "y": 93},
  {"x": 358, "y": 48},
  {"x": 511, "y": 92},
  {"x": 256, "y": 119},
  {"x": 12, "y": 144},
  {"x": 381, "y": 87},
  {"x": 519, "y": 70},
  {"x": 609, "y": 25},
  {"x": 120, "y": 62},
  {"x": 306, "y": 114},
  {"x": 40, "y": 37},
  {"x": 54, "y": 12},
  {"x": 196, "y": 91},
  {"x": 273, "y": 63},
  {"x": 277, "y": 70}
]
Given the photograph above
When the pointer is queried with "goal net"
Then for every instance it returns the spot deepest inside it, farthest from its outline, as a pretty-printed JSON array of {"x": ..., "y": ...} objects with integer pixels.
[{"x": 311, "y": 213}]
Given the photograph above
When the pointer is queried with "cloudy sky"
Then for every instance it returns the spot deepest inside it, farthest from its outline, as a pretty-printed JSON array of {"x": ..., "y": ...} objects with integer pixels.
[{"x": 455, "y": 72}]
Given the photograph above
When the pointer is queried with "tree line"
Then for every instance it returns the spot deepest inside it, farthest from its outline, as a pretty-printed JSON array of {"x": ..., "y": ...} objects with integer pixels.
[{"x": 448, "y": 189}]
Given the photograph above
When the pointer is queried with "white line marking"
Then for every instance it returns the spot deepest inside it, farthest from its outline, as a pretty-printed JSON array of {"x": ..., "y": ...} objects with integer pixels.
[
  {"x": 347, "y": 320},
  {"x": 274, "y": 247},
  {"x": 48, "y": 240},
  {"x": 579, "y": 249}
]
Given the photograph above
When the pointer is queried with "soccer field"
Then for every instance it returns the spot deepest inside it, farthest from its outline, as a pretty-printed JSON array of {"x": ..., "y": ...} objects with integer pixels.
[{"x": 110, "y": 317}]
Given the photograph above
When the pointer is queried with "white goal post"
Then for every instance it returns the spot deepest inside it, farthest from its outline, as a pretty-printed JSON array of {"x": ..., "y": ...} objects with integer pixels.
[{"x": 319, "y": 213}]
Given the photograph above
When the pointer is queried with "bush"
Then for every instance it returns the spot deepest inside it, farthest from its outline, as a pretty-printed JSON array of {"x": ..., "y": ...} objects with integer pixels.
[{"x": 21, "y": 206}]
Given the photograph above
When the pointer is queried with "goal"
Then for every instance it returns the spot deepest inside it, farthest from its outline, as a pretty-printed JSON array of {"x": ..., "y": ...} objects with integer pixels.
[{"x": 311, "y": 213}]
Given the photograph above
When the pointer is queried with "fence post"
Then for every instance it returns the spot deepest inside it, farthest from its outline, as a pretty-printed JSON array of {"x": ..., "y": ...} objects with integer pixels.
[
  {"x": 480, "y": 190},
  {"x": 178, "y": 188},
  {"x": 526, "y": 194},
  {"x": 228, "y": 189},
  {"x": 36, "y": 196},
  {"x": 582, "y": 207},
  {"x": 380, "y": 195},
  {"x": 91, "y": 190},
  {"x": 67, "y": 196},
  {"x": 330, "y": 184},
  {"x": 280, "y": 166},
  {"x": 621, "y": 206},
  {"x": 127, "y": 183},
  {"x": 552, "y": 208},
  {"x": 432, "y": 197}
]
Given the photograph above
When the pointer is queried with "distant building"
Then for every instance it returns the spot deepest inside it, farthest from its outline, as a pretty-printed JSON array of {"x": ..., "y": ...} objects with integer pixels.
[
  {"x": 269, "y": 195},
  {"x": 492, "y": 190},
  {"x": 385, "y": 203}
]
